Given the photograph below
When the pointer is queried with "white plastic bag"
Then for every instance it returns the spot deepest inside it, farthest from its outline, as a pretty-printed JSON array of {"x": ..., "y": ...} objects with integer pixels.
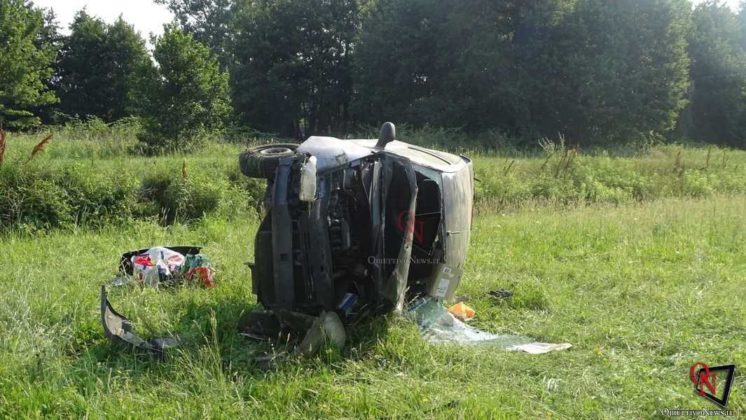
[{"x": 151, "y": 267}]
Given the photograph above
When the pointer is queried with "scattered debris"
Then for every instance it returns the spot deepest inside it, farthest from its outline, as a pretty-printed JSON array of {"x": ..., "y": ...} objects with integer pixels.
[
  {"x": 462, "y": 298},
  {"x": 326, "y": 328},
  {"x": 500, "y": 293},
  {"x": 348, "y": 305},
  {"x": 462, "y": 312},
  {"x": 161, "y": 266},
  {"x": 259, "y": 325},
  {"x": 119, "y": 328},
  {"x": 271, "y": 360},
  {"x": 540, "y": 348},
  {"x": 439, "y": 326},
  {"x": 315, "y": 330},
  {"x": 353, "y": 228},
  {"x": 157, "y": 266},
  {"x": 198, "y": 267}
]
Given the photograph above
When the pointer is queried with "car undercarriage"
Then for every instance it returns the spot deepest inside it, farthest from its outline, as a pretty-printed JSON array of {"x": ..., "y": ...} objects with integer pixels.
[{"x": 358, "y": 226}]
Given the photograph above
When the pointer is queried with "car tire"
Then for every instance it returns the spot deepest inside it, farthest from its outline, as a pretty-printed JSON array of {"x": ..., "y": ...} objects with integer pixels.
[{"x": 261, "y": 161}]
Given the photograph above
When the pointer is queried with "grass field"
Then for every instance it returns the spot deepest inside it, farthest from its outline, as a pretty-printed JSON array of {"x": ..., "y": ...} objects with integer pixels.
[{"x": 642, "y": 286}]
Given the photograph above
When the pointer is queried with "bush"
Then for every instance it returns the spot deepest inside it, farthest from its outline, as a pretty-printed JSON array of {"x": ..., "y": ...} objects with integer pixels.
[
  {"x": 191, "y": 198},
  {"x": 502, "y": 191},
  {"x": 183, "y": 199},
  {"x": 46, "y": 199},
  {"x": 29, "y": 201},
  {"x": 34, "y": 197}
]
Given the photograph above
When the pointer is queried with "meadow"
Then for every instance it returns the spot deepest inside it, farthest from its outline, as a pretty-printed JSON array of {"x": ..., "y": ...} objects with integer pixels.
[{"x": 635, "y": 257}]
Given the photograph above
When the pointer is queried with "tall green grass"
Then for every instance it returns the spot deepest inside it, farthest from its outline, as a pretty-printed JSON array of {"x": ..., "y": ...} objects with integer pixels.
[{"x": 88, "y": 176}]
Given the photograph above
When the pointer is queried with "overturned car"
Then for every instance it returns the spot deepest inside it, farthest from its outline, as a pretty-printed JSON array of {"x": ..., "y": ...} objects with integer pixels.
[
  {"x": 352, "y": 228},
  {"x": 358, "y": 226}
]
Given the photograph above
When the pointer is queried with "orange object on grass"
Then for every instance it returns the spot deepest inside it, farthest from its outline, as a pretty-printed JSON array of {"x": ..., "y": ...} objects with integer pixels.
[
  {"x": 462, "y": 312},
  {"x": 204, "y": 274}
]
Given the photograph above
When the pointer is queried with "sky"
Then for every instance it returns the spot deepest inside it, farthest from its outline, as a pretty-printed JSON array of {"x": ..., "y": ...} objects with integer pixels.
[
  {"x": 732, "y": 3},
  {"x": 146, "y": 16}
]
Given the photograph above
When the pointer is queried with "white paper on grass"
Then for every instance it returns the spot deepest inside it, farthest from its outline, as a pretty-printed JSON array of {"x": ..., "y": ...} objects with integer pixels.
[{"x": 540, "y": 348}]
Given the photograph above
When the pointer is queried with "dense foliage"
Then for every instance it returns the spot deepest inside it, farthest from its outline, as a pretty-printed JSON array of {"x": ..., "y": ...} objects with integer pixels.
[
  {"x": 189, "y": 96},
  {"x": 209, "y": 21},
  {"x": 292, "y": 69},
  {"x": 25, "y": 64},
  {"x": 718, "y": 72},
  {"x": 590, "y": 71},
  {"x": 102, "y": 69}
]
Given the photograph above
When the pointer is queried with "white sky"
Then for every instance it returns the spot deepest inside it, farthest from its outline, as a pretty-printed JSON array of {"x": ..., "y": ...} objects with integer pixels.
[
  {"x": 734, "y": 4},
  {"x": 146, "y": 16}
]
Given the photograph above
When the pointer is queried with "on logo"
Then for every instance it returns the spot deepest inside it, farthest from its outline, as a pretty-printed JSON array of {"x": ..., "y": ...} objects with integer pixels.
[{"x": 712, "y": 383}]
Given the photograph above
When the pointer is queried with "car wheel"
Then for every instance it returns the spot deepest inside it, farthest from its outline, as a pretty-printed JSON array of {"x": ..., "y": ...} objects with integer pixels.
[{"x": 261, "y": 161}]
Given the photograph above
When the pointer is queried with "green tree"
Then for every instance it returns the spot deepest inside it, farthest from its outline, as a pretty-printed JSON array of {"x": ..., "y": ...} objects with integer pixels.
[
  {"x": 82, "y": 78},
  {"x": 398, "y": 67},
  {"x": 292, "y": 71},
  {"x": 718, "y": 95},
  {"x": 25, "y": 64},
  {"x": 209, "y": 21},
  {"x": 589, "y": 69},
  {"x": 101, "y": 69},
  {"x": 455, "y": 63},
  {"x": 624, "y": 68},
  {"x": 466, "y": 64},
  {"x": 51, "y": 38},
  {"x": 130, "y": 69},
  {"x": 543, "y": 81},
  {"x": 189, "y": 96}
]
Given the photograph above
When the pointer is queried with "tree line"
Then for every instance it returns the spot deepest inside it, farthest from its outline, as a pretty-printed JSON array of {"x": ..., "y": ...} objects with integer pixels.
[{"x": 593, "y": 71}]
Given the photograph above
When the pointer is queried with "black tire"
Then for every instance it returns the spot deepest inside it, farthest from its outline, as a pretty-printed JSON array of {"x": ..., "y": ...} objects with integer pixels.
[{"x": 261, "y": 161}]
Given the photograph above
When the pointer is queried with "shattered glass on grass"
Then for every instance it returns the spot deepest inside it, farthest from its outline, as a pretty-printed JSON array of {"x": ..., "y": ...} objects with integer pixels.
[{"x": 439, "y": 326}]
